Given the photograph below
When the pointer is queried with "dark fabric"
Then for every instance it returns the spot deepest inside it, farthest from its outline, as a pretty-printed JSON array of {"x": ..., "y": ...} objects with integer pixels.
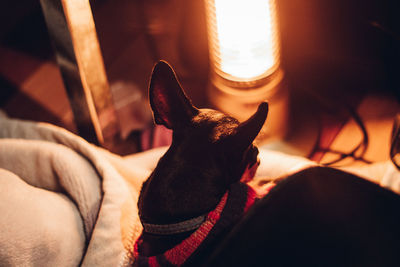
[{"x": 317, "y": 217}]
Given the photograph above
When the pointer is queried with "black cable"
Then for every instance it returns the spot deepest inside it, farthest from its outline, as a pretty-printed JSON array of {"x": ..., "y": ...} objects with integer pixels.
[
  {"x": 395, "y": 142},
  {"x": 363, "y": 145},
  {"x": 361, "y": 148}
]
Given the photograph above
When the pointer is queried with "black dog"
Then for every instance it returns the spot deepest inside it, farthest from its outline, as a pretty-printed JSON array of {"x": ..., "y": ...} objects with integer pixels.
[
  {"x": 195, "y": 188},
  {"x": 192, "y": 205}
]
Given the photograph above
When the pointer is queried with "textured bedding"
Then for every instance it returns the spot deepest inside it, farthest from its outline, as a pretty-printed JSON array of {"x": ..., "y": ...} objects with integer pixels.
[{"x": 65, "y": 202}]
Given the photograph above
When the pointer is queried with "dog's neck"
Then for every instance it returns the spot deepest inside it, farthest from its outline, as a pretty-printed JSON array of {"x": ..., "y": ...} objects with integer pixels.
[{"x": 179, "y": 208}]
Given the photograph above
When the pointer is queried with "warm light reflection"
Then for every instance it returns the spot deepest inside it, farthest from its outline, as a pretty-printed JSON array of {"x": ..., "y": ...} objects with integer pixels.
[{"x": 243, "y": 38}]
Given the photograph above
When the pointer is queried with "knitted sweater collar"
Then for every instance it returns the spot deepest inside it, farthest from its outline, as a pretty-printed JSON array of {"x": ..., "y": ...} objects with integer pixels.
[{"x": 233, "y": 204}]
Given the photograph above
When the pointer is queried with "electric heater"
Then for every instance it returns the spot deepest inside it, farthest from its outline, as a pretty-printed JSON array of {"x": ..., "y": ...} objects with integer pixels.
[{"x": 245, "y": 55}]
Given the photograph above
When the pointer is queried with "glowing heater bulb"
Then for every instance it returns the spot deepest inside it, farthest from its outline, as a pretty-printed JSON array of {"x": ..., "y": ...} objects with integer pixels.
[
  {"x": 245, "y": 44},
  {"x": 244, "y": 54}
]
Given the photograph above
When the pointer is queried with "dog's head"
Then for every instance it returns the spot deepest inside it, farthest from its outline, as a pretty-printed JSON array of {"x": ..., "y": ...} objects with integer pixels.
[{"x": 209, "y": 151}]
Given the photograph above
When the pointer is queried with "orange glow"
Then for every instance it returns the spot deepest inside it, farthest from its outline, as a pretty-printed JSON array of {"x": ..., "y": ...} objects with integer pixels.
[{"x": 243, "y": 38}]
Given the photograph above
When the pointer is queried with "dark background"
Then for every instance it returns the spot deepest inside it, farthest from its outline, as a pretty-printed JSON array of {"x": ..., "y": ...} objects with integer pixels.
[{"x": 333, "y": 52}]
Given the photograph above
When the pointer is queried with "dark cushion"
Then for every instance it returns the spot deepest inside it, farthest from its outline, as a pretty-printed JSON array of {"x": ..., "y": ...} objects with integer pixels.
[{"x": 317, "y": 217}]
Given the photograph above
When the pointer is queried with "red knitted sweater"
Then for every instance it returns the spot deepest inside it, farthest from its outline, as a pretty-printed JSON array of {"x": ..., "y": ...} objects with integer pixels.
[{"x": 234, "y": 203}]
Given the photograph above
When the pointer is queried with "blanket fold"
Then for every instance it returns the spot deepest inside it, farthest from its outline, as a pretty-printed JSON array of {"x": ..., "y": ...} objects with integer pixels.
[{"x": 42, "y": 162}]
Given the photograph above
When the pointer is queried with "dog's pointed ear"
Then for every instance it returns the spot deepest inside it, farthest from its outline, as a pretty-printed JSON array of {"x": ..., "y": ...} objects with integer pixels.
[
  {"x": 248, "y": 130},
  {"x": 170, "y": 105}
]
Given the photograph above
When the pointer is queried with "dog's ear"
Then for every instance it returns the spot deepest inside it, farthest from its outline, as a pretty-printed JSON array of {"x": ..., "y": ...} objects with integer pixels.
[
  {"x": 248, "y": 130},
  {"x": 168, "y": 101}
]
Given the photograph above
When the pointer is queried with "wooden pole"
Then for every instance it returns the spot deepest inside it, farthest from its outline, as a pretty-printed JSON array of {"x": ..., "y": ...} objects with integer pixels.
[{"x": 72, "y": 30}]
